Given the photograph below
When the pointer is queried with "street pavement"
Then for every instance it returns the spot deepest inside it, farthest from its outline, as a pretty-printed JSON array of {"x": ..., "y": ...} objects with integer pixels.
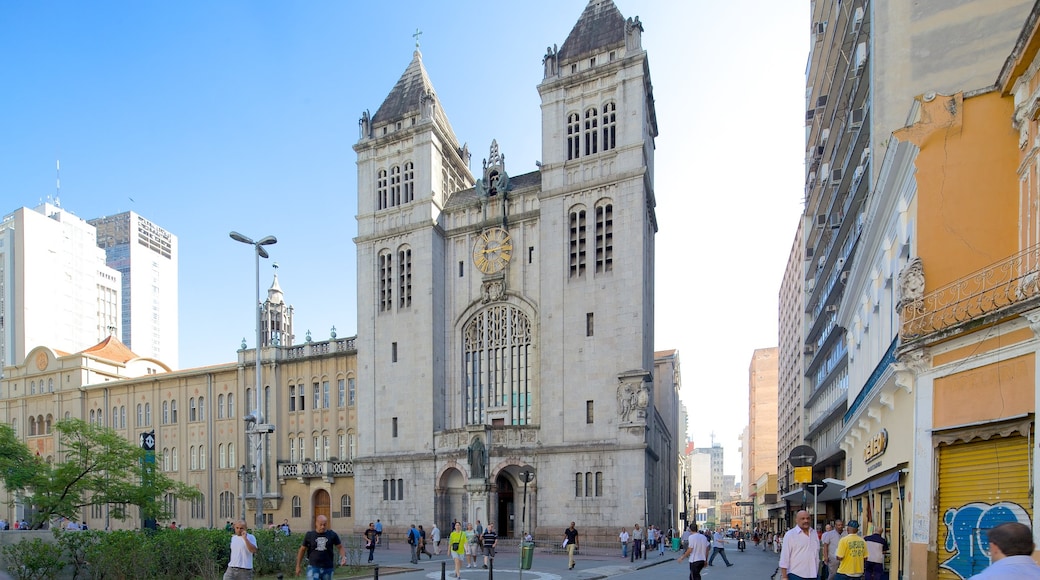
[{"x": 752, "y": 564}]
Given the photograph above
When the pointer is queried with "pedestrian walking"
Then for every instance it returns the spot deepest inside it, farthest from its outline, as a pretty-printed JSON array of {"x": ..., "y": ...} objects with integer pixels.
[
  {"x": 874, "y": 567},
  {"x": 421, "y": 548},
  {"x": 318, "y": 545},
  {"x": 243, "y": 546},
  {"x": 829, "y": 543},
  {"x": 718, "y": 548},
  {"x": 457, "y": 546},
  {"x": 570, "y": 541},
  {"x": 370, "y": 540},
  {"x": 696, "y": 553},
  {"x": 435, "y": 536},
  {"x": 637, "y": 542},
  {"x": 490, "y": 539},
  {"x": 472, "y": 545},
  {"x": 413, "y": 544},
  {"x": 1010, "y": 550},
  {"x": 852, "y": 552},
  {"x": 379, "y": 532},
  {"x": 623, "y": 538},
  {"x": 662, "y": 542},
  {"x": 800, "y": 552}
]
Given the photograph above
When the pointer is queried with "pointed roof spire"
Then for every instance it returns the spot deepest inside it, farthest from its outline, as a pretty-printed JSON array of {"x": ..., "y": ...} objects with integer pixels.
[
  {"x": 600, "y": 25},
  {"x": 407, "y": 94},
  {"x": 274, "y": 293}
]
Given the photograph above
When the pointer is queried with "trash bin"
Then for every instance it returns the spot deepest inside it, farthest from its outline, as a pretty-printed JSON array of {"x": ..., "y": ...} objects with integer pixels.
[
  {"x": 526, "y": 555},
  {"x": 675, "y": 544}
]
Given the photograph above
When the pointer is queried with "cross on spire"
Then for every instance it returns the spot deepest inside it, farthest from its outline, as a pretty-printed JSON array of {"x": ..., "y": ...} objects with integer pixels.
[{"x": 417, "y": 34}]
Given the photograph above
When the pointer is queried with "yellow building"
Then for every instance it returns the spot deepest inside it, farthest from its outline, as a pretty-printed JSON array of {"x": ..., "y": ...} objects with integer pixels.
[
  {"x": 969, "y": 316},
  {"x": 197, "y": 416}
]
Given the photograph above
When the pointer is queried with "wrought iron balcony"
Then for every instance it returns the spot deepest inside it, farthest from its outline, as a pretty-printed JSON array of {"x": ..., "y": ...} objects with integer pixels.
[
  {"x": 990, "y": 291},
  {"x": 327, "y": 470}
]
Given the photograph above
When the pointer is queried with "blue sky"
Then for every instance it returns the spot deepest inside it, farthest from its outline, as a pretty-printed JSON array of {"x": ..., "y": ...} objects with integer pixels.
[{"x": 207, "y": 117}]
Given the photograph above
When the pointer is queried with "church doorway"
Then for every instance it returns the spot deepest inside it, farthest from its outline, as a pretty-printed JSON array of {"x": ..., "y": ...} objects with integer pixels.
[
  {"x": 322, "y": 505},
  {"x": 451, "y": 500},
  {"x": 505, "y": 512}
]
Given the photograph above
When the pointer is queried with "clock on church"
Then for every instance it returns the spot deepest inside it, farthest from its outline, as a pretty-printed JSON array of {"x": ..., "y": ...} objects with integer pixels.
[{"x": 493, "y": 250}]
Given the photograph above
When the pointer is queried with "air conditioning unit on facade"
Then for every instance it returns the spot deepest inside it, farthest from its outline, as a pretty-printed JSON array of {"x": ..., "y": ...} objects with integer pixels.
[
  {"x": 857, "y": 118},
  {"x": 821, "y": 220},
  {"x": 844, "y": 277},
  {"x": 810, "y": 284},
  {"x": 836, "y": 175},
  {"x": 820, "y": 27},
  {"x": 809, "y": 350},
  {"x": 836, "y": 221},
  {"x": 831, "y": 308}
]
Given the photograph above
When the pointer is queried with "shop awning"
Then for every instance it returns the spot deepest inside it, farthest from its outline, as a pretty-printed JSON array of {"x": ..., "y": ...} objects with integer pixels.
[
  {"x": 884, "y": 480},
  {"x": 831, "y": 492}
]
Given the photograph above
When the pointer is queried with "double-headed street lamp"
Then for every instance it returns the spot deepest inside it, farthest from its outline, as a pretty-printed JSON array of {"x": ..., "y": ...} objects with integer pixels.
[{"x": 255, "y": 420}]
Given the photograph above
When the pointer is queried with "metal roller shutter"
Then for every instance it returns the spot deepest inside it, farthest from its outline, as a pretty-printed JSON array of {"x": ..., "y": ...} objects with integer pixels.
[{"x": 981, "y": 484}]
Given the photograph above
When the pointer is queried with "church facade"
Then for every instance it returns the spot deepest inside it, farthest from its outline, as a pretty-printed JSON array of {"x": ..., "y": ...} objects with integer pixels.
[{"x": 506, "y": 323}]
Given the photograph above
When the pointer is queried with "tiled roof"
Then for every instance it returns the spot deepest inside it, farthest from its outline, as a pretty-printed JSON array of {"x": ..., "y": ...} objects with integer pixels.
[
  {"x": 600, "y": 25},
  {"x": 111, "y": 349},
  {"x": 404, "y": 98},
  {"x": 466, "y": 197}
]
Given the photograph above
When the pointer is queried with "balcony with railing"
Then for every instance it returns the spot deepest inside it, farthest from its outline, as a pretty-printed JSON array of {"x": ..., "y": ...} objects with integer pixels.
[
  {"x": 1000, "y": 289},
  {"x": 304, "y": 470}
]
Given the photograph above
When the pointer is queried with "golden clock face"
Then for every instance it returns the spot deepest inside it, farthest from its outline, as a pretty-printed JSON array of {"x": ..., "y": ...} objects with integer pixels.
[{"x": 493, "y": 250}]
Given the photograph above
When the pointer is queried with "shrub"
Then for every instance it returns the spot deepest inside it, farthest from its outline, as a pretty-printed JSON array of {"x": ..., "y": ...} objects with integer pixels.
[{"x": 33, "y": 560}]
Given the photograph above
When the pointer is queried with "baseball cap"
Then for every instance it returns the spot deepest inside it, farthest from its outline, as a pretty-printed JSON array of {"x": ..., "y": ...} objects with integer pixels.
[{"x": 853, "y": 524}]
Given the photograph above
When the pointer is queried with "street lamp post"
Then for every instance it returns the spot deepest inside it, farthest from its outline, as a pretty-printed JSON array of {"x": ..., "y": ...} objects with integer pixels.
[
  {"x": 243, "y": 475},
  {"x": 256, "y": 419}
]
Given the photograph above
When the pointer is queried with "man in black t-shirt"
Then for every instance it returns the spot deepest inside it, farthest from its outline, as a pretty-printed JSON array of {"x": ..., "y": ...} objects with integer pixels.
[
  {"x": 318, "y": 546},
  {"x": 490, "y": 539},
  {"x": 570, "y": 541}
]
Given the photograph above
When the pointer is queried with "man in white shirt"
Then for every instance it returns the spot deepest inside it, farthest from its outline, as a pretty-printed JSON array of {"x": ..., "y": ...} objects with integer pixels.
[
  {"x": 718, "y": 547},
  {"x": 623, "y": 537},
  {"x": 1010, "y": 550},
  {"x": 696, "y": 553},
  {"x": 243, "y": 546},
  {"x": 800, "y": 553}
]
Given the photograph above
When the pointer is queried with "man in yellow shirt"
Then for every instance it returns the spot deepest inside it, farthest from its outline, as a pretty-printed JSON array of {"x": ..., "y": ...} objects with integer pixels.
[{"x": 852, "y": 551}]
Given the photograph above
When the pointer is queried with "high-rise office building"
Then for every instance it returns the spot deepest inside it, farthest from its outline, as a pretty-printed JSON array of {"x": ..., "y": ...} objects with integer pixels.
[
  {"x": 146, "y": 255},
  {"x": 55, "y": 288}
]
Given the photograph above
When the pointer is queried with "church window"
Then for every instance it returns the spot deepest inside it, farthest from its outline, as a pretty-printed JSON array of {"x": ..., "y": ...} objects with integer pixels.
[
  {"x": 589, "y": 412},
  {"x": 395, "y": 186},
  {"x": 140, "y": 414},
  {"x": 400, "y": 489},
  {"x": 599, "y": 484},
  {"x": 577, "y": 242},
  {"x": 609, "y": 126},
  {"x": 32, "y": 424},
  {"x": 381, "y": 188},
  {"x": 192, "y": 412},
  {"x": 497, "y": 356},
  {"x": 591, "y": 130},
  {"x": 297, "y": 507},
  {"x": 573, "y": 136},
  {"x": 588, "y": 483},
  {"x": 394, "y": 427},
  {"x": 115, "y": 417},
  {"x": 393, "y": 352},
  {"x": 165, "y": 413},
  {"x": 165, "y": 459},
  {"x": 409, "y": 182},
  {"x": 173, "y": 411},
  {"x": 604, "y": 237},
  {"x": 148, "y": 413},
  {"x": 230, "y": 406},
  {"x": 231, "y": 454},
  {"x": 462, "y": 268},
  {"x": 386, "y": 282},
  {"x": 220, "y": 406},
  {"x": 404, "y": 267},
  {"x": 202, "y": 408},
  {"x": 579, "y": 480},
  {"x": 589, "y": 326},
  {"x": 574, "y": 68}
]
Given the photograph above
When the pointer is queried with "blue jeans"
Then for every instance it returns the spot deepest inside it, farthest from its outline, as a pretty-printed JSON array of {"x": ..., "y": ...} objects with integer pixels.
[
  {"x": 624, "y": 549},
  {"x": 316, "y": 573},
  {"x": 719, "y": 552}
]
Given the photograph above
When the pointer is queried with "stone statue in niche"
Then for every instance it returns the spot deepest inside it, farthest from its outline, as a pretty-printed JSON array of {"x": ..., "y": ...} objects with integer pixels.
[
  {"x": 492, "y": 291},
  {"x": 551, "y": 61},
  {"x": 633, "y": 399},
  {"x": 477, "y": 456}
]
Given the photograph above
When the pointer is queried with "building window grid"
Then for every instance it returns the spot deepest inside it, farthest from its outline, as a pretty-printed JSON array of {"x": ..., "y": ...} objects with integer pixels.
[
  {"x": 341, "y": 391},
  {"x": 381, "y": 189},
  {"x": 609, "y": 126},
  {"x": 573, "y": 136},
  {"x": 395, "y": 185},
  {"x": 325, "y": 395},
  {"x": 344, "y": 506},
  {"x": 497, "y": 344},
  {"x": 404, "y": 266},
  {"x": 577, "y": 243},
  {"x": 351, "y": 391},
  {"x": 604, "y": 237},
  {"x": 409, "y": 182},
  {"x": 386, "y": 282},
  {"x": 591, "y": 132}
]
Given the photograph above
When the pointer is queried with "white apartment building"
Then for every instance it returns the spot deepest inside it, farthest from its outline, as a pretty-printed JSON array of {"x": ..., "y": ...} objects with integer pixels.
[{"x": 55, "y": 288}]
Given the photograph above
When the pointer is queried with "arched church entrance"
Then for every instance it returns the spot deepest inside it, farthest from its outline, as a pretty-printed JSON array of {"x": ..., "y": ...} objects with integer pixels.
[
  {"x": 505, "y": 512},
  {"x": 322, "y": 505},
  {"x": 451, "y": 502}
]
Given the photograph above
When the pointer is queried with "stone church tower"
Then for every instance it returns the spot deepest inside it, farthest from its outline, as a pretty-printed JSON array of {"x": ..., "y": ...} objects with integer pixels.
[{"x": 505, "y": 323}]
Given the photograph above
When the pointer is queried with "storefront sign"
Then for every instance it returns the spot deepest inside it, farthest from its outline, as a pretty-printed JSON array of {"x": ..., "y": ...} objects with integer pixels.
[{"x": 875, "y": 446}]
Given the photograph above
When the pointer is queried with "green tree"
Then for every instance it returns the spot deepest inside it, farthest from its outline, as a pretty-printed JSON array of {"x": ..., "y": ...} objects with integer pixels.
[{"x": 96, "y": 466}]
